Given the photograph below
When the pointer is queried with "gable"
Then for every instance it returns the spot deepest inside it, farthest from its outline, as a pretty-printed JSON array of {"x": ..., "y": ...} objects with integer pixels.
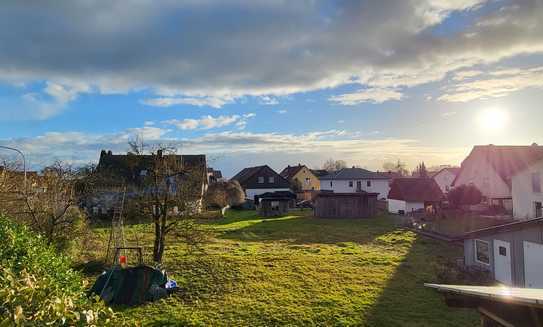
[{"x": 249, "y": 178}]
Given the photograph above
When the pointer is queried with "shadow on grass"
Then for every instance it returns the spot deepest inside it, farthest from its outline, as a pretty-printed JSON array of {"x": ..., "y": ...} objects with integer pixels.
[
  {"x": 405, "y": 301},
  {"x": 309, "y": 230}
]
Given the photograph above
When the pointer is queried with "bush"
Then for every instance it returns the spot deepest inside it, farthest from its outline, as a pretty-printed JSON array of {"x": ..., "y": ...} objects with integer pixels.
[
  {"x": 38, "y": 287},
  {"x": 464, "y": 195}
]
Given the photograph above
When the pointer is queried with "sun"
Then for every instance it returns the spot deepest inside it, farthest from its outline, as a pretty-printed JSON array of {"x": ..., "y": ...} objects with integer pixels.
[{"x": 493, "y": 119}]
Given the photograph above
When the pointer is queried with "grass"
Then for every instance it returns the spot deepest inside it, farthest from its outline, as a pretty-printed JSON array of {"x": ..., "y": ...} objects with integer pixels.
[{"x": 300, "y": 270}]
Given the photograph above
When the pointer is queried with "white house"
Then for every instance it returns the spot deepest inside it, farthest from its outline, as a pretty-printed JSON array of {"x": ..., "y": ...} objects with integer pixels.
[
  {"x": 411, "y": 194},
  {"x": 259, "y": 180},
  {"x": 445, "y": 178},
  {"x": 491, "y": 168},
  {"x": 527, "y": 192},
  {"x": 349, "y": 180}
]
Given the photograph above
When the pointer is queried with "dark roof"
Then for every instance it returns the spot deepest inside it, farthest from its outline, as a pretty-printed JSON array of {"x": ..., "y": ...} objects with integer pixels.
[
  {"x": 512, "y": 226},
  {"x": 415, "y": 190},
  {"x": 277, "y": 195},
  {"x": 353, "y": 173},
  {"x": 247, "y": 173},
  {"x": 506, "y": 160},
  {"x": 335, "y": 195},
  {"x": 320, "y": 172},
  {"x": 129, "y": 166},
  {"x": 290, "y": 171}
]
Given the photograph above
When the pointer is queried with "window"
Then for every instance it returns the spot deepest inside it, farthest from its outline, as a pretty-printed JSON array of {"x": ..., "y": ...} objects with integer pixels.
[
  {"x": 330, "y": 183},
  {"x": 538, "y": 209},
  {"x": 260, "y": 180},
  {"x": 482, "y": 252},
  {"x": 536, "y": 183},
  {"x": 350, "y": 183},
  {"x": 271, "y": 179},
  {"x": 368, "y": 183},
  {"x": 143, "y": 172},
  {"x": 503, "y": 251}
]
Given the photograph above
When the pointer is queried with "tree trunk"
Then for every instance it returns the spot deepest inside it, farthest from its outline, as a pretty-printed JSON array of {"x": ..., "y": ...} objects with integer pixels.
[{"x": 157, "y": 256}]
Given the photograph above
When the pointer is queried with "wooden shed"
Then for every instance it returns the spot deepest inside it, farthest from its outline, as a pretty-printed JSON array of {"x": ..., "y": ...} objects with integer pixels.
[
  {"x": 346, "y": 205},
  {"x": 273, "y": 205}
]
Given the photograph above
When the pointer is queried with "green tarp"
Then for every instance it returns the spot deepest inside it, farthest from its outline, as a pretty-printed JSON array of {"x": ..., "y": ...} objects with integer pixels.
[{"x": 130, "y": 286}]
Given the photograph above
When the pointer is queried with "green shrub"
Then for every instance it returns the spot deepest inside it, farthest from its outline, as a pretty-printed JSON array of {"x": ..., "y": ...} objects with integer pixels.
[{"x": 37, "y": 285}]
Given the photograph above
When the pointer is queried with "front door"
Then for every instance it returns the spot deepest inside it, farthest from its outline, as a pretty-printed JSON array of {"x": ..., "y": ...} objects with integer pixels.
[
  {"x": 502, "y": 262},
  {"x": 533, "y": 265}
]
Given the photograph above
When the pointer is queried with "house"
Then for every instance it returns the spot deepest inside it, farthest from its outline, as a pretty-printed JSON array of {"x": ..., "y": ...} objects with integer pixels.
[
  {"x": 512, "y": 253},
  {"x": 497, "y": 305},
  {"x": 301, "y": 178},
  {"x": 346, "y": 205},
  {"x": 349, "y": 180},
  {"x": 527, "y": 192},
  {"x": 445, "y": 178},
  {"x": 213, "y": 175},
  {"x": 125, "y": 173},
  {"x": 412, "y": 194},
  {"x": 260, "y": 179},
  {"x": 491, "y": 169}
]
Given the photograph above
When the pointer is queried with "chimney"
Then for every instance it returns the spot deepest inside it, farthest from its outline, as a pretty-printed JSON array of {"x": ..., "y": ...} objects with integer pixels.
[
  {"x": 109, "y": 153},
  {"x": 535, "y": 144},
  {"x": 159, "y": 153},
  {"x": 353, "y": 167},
  {"x": 102, "y": 153}
]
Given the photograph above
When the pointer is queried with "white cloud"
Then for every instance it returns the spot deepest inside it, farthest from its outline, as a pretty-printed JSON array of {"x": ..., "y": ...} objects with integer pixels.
[
  {"x": 282, "y": 111},
  {"x": 268, "y": 100},
  {"x": 204, "y": 101},
  {"x": 210, "y": 122},
  {"x": 371, "y": 95},
  {"x": 495, "y": 84}
]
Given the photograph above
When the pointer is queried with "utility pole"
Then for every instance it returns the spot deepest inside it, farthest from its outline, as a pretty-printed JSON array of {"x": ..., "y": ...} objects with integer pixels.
[{"x": 24, "y": 162}]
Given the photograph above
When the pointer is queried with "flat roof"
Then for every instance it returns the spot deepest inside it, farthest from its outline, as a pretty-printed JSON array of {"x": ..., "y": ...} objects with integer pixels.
[
  {"x": 515, "y": 295},
  {"x": 511, "y": 226}
]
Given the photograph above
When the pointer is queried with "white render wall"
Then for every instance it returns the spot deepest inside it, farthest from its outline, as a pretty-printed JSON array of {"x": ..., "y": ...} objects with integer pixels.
[
  {"x": 523, "y": 195},
  {"x": 394, "y": 206},
  {"x": 251, "y": 192},
  {"x": 380, "y": 186},
  {"x": 444, "y": 179},
  {"x": 482, "y": 175}
]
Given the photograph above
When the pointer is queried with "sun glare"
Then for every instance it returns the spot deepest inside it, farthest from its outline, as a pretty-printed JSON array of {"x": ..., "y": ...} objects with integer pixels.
[{"x": 493, "y": 119}]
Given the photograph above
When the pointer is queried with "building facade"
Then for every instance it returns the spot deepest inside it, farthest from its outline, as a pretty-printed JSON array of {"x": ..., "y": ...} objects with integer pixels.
[{"x": 527, "y": 192}]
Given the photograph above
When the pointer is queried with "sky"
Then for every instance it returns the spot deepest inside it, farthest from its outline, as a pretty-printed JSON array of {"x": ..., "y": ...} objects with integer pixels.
[{"x": 270, "y": 81}]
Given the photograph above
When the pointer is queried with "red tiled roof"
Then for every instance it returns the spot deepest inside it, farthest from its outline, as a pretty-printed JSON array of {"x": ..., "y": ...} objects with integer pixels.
[
  {"x": 506, "y": 160},
  {"x": 415, "y": 190}
]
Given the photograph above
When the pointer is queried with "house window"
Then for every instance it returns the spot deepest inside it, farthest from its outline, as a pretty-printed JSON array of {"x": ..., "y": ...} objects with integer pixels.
[
  {"x": 271, "y": 179},
  {"x": 538, "y": 209},
  {"x": 368, "y": 183},
  {"x": 536, "y": 183},
  {"x": 330, "y": 183},
  {"x": 260, "y": 179},
  {"x": 274, "y": 205},
  {"x": 350, "y": 183},
  {"x": 502, "y": 251},
  {"x": 143, "y": 172},
  {"x": 482, "y": 252}
]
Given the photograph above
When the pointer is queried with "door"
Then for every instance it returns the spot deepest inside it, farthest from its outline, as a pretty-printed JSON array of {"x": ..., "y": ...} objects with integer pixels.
[
  {"x": 533, "y": 265},
  {"x": 502, "y": 262}
]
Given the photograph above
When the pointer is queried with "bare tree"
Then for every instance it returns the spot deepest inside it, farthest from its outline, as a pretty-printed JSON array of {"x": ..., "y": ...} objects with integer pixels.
[
  {"x": 171, "y": 195},
  {"x": 334, "y": 165},
  {"x": 225, "y": 195},
  {"x": 397, "y": 167}
]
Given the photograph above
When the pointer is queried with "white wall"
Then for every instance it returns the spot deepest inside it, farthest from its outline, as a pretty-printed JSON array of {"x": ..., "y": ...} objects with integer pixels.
[
  {"x": 444, "y": 179},
  {"x": 414, "y": 206},
  {"x": 394, "y": 206},
  {"x": 251, "y": 192},
  {"x": 523, "y": 195},
  {"x": 380, "y": 186},
  {"x": 482, "y": 175}
]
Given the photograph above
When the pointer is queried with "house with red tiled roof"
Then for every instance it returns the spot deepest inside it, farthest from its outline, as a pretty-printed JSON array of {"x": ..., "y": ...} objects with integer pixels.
[
  {"x": 411, "y": 194},
  {"x": 491, "y": 169}
]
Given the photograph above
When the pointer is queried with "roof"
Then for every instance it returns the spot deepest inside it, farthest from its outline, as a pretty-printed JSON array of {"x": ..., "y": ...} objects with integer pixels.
[
  {"x": 247, "y": 173},
  {"x": 353, "y": 173},
  {"x": 526, "y": 296},
  {"x": 511, "y": 226},
  {"x": 452, "y": 170},
  {"x": 505, "y": 159},
  {"x": 334, "y": 195},
  {"x": 415, "y": 190},
  {"x": 215, "y": 173},
  {"x": 290, "y": 171},
  {"x": 320, "y": 172}
]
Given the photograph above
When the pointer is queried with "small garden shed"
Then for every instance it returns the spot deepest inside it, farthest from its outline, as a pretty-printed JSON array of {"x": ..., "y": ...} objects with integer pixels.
[
  {"x": 274, "y": 204},
  {"x": 346, "y": 205}
]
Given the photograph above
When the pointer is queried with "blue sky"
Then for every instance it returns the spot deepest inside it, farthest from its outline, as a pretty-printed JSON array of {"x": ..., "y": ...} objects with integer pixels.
[{"x": 271, "y": 82}]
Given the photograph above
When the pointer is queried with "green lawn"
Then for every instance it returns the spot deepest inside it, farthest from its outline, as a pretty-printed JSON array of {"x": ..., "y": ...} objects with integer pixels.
[{"x": 299, "y": 270}]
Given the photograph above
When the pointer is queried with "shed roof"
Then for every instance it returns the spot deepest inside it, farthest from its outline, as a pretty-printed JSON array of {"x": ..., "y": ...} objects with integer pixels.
[
  {"x": 415, "y": 190},
  {"x": 508, "y": 227},
  {"x": 353, "y": 173},
  {"x": 527, "y": 296}
]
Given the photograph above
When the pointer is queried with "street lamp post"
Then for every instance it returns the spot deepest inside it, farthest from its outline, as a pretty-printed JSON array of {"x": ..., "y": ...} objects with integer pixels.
[{"x": 24, "y": 161}]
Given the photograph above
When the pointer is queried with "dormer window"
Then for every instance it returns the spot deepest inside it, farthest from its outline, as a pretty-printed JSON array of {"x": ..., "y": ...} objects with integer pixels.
[
  {"x": 271, "y": 179},
  {"x": 260, "y": 179}
]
